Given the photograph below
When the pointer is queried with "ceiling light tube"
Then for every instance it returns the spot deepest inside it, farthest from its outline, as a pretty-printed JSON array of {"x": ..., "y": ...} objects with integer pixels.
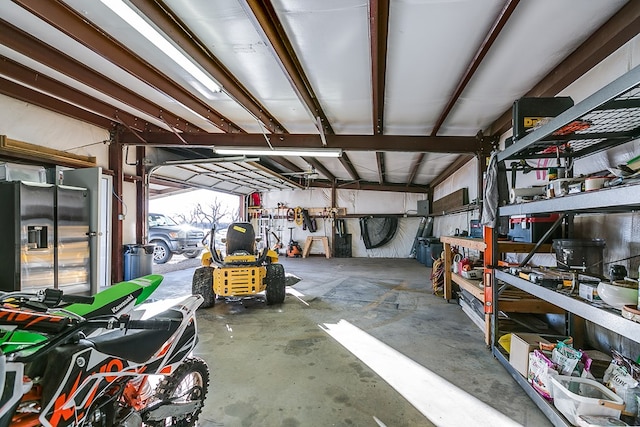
[
  {"x": 319, "y": 152},
  {"x": 158, "y": 40}
]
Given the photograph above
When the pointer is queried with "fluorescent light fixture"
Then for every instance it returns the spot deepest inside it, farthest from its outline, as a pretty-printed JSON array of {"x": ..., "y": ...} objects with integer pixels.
[
  {"x": 319, "y": 152},
  {"x": 135, "y": 21}
]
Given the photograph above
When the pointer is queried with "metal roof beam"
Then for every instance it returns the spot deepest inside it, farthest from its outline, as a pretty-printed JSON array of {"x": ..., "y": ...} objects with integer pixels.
[
  {"x": 37, "y": 81},
  {"x": 67, "y": 21},
  {"x": 170, "y": 24},
  {"x": 428, "y": 144},
  {"x": 379, "y": 28},
  {"x": 380, "y": 163},
  {"x": 453, "y": 167},
  {"x": 319, "y": 166},
  {"x": 292, "y": 167},
  {"x": 277, "y": 175},
  {"x": 373, "y": 186},
  {"x": 417, "y": 162},
  {"x": 266, "y": 22},
  {"x": 348, "y": 165},
  {"x": 35, "y": 49},
  {"x": 618, "y": 30},
  {"x": 486, "y": 44},
  {"x": 23, "y": 93}
]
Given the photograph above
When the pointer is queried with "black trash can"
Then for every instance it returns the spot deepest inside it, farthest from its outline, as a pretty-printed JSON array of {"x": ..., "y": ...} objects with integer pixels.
[{"x": 138, "y": 260}]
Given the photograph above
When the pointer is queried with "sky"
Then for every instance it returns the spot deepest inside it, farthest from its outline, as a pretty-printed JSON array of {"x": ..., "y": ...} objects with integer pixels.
[{"x": 186, "y": 202}]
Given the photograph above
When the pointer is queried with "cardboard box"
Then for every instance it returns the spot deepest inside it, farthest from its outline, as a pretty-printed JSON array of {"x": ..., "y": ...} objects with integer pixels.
[
  {"x": 521, "y": 345},
  {"x": 589, "y": 291}
]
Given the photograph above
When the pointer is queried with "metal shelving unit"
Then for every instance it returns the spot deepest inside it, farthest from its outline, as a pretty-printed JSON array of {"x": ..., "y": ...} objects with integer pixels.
[
  {"x": 608, "y": 118},
  {"x": 609, "y": 319},
  {"x": 609, "y": 200}
]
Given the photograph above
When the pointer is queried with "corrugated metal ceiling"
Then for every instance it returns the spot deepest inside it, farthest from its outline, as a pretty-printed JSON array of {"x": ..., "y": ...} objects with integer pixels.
[{"x": 402, "y": 86}]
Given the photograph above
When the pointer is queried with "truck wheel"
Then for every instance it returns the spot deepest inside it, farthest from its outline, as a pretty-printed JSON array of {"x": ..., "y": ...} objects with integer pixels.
[
  {"x": 161, "y": 252},
  {"x": 275, "y": 282},
  {"x": 202, "y": 284},
  {"x": 193, "y": 254}
]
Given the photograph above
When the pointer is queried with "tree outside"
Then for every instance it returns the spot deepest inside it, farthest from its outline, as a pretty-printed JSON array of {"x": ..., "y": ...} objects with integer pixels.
[{"x": 200, "y": 208}]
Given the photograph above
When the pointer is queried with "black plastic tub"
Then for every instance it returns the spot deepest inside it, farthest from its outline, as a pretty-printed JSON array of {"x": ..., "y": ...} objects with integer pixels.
[{"x": 580, "y": 254}]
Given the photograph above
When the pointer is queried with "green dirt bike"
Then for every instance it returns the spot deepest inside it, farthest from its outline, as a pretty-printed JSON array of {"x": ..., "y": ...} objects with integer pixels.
[
  {"x": 110, "y": 360},
  {"x": 115, "y": 300}
]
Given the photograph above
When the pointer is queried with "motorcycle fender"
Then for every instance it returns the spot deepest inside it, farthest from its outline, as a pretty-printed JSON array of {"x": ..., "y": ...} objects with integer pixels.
[{"x": 14, "y": 373}]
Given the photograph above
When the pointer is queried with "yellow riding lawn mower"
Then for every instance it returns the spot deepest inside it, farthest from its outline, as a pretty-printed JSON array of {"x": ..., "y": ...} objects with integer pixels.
[{"x": 242, "y": 272}]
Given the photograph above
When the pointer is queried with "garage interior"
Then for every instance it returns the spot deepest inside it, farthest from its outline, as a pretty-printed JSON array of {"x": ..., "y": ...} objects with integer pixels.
[{"x": 389, "y": 123}]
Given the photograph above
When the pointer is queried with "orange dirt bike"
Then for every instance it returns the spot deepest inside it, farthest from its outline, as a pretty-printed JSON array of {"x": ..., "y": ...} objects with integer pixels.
[{"x": 59, "y": 368}]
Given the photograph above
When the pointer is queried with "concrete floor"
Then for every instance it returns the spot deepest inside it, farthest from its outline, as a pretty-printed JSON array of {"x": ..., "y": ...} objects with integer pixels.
[{"x": 281, "y": 366}]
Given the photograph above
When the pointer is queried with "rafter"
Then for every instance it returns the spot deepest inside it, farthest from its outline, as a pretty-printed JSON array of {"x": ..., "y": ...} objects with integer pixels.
[
  {"x": 453, "y": 167},
  {"x": 346, "y": 162},
  {"x": 438, "y": 144},
  {"x": 66, "y": 20},
  {"x": 42, "y": 83},
  {"x": 23, "y": 93},
  {"x": 381, "y": 170},
  {"x": 379, "y": 26},
  {"x": 276, "y": 174},
  {"x": 320, "y": 167},
  {"x": 169, "y": 23},
  {"x": 266, "y": 22},
  {"x": 486, "y": 44},
  {"x": 613, "y": 34},
  {"x": 373, "y": 186},
  {"x": 417, "y": 162},
  {"x": 33, "y": 48},
  {"x": 292, "y": 167}
]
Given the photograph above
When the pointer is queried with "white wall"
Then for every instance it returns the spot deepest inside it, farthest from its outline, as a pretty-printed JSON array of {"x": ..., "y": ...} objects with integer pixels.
[
  {"x": 360, "y": 203},
  {"x": 25, "y": 122}
]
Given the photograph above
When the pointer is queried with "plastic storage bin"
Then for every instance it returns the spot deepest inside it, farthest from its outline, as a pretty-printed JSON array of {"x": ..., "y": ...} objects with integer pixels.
[
  {"x": 138, "y": 261},
  {"x": 429, "y": 249},
  {"x": 532, "y": 227},
  {"x": 574, "y": 396},
  {"x": 580, "y": 254}
]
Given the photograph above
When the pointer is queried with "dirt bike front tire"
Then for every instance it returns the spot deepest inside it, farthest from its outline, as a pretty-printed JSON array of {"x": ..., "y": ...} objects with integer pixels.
[{"x": 193, "y": 376}]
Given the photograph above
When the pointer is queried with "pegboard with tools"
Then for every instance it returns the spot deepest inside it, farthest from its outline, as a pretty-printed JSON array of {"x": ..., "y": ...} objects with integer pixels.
[{"x": 284, "y": 212}]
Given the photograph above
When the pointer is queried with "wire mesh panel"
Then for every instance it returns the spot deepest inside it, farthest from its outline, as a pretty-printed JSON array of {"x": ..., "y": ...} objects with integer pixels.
[{"x": 608, "y": 118}]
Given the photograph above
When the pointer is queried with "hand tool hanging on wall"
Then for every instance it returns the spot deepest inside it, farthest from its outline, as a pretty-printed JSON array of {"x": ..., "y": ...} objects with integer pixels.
[
  {"x": 291, "y": 215},
  {"x": 298, "y": 216},
  {"x": 309, "y": 223}
]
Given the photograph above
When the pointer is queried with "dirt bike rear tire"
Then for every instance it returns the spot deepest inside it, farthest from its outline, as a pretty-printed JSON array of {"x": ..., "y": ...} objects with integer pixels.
[
  {"x": 169, "y": 387},
  {"x": 202, "y": 284}
]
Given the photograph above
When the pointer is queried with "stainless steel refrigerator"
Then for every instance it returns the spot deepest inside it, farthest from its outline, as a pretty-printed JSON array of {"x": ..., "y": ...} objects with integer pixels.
[{"x": 44, "y": 237}]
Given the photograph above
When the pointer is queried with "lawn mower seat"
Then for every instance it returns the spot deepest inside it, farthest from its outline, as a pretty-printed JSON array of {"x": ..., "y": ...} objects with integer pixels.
[{"x": 241, "y": 238}]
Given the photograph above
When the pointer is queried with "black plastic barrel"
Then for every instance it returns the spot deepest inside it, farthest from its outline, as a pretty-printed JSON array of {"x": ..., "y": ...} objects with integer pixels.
[{"x": 138, "y": 260}]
